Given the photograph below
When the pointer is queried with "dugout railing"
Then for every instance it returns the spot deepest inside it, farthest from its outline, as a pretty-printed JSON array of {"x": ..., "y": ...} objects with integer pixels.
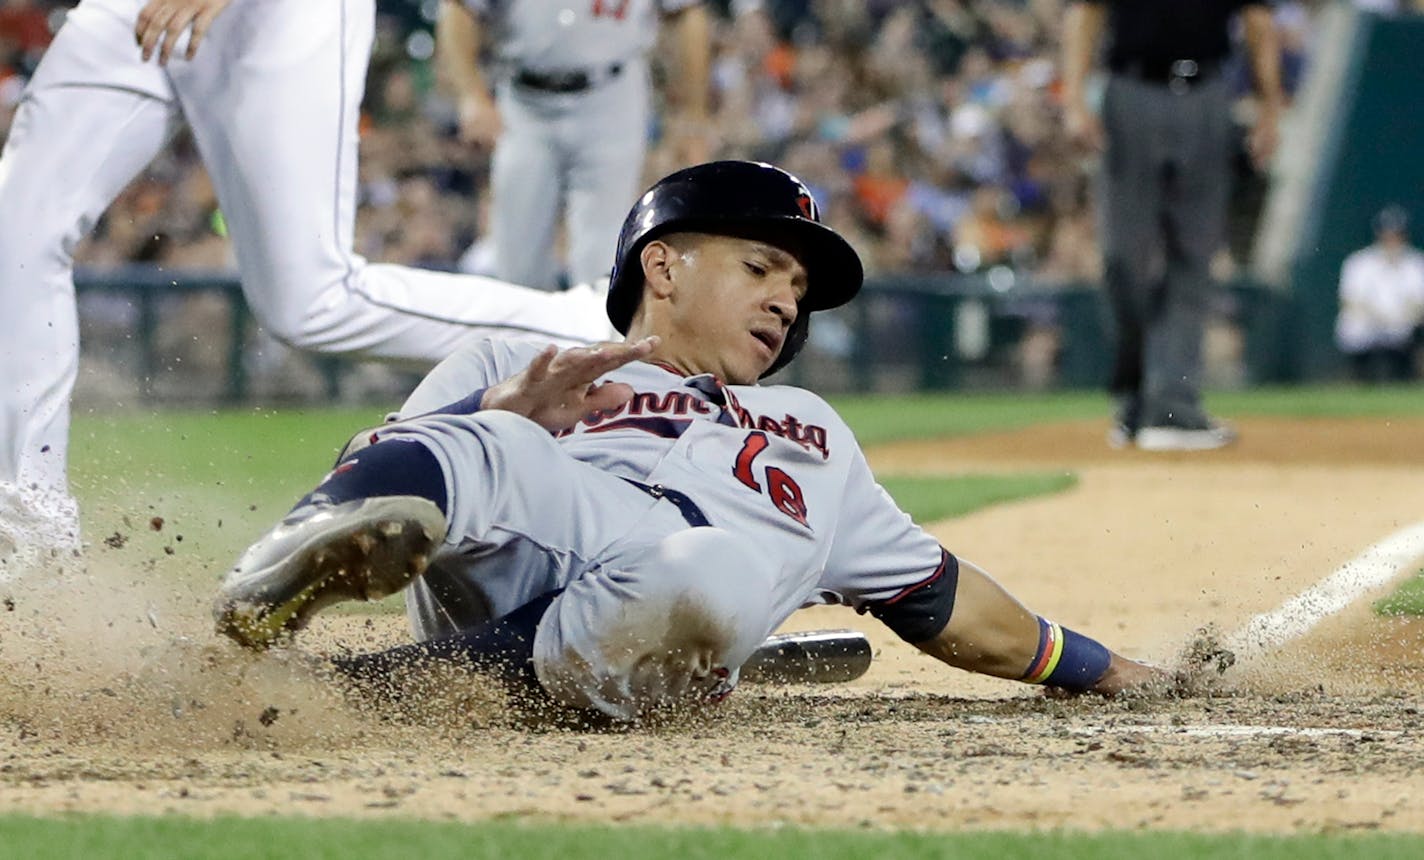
[{"x": 925, "y": 332}]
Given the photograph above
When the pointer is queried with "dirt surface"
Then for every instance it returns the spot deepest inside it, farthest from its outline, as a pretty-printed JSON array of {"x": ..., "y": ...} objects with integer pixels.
[{"x": 114, "y": 697}]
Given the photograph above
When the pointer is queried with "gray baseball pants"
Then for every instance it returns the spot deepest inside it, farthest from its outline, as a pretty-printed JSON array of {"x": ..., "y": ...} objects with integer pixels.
[{"x": 1163, "y": 193}]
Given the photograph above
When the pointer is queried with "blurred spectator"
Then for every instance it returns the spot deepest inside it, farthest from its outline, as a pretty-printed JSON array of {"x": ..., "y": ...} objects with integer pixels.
[
  {"x": 1382, "y": 303},
  {"x": 988, "y": 235},
  {"x": 24, "y": 34}
]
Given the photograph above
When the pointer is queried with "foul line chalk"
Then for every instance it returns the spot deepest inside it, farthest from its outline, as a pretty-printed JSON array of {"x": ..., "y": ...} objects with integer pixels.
[
  {"x": 1376, "y": 566},
  {"x": 1237, "y": 730}
]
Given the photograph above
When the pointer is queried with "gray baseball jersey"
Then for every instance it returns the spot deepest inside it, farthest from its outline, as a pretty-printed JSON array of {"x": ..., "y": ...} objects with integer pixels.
[
  {"x": 578, "y": 151},
  {"x": 772, "y": 470},
  {"x": 273, "y": 98},
  {"x": 573, "y": 34}
]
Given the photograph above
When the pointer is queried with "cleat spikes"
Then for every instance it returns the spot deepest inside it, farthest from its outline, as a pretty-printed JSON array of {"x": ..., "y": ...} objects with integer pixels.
[{"x": 323, "y": 554}]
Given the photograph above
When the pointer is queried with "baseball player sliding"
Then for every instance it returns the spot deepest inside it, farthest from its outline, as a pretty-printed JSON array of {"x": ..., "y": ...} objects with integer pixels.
[
  {"x": 569, "y": 118},
  {"x": 623, "y": 524},
  {"x": 271, "y": 90}
]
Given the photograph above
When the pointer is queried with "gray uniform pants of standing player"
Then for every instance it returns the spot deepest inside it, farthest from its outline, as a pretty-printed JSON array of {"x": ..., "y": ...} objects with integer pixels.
[
  {"x": 580, "y": 153},
  {"x": 1165, "y": 180}
]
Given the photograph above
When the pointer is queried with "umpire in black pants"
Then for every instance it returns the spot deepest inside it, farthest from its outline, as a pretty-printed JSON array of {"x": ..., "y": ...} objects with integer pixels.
[{"x": 1165, "y": 133}]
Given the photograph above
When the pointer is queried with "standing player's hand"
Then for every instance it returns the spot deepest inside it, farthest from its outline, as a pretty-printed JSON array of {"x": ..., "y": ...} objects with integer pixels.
[
  {"x": 691, "y": 139},
  {"x": 162, "y": 22},
  {"x": 480, "y": 122},
  {"x": 1084, "y": 128},
  {"x": 1264, "y": 138},
  {"x": 558, "y": 387}
]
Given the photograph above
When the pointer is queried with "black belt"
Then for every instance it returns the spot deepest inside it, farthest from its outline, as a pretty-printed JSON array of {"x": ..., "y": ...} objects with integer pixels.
[
  {"x": 566, "y": 81},
  {"x": 1176, "y": 73},
  {"x": 690, "y": 511}
]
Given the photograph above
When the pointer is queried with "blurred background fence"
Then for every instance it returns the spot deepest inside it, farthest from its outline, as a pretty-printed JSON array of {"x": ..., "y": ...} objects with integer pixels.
[{"x": 153, "y": 335}]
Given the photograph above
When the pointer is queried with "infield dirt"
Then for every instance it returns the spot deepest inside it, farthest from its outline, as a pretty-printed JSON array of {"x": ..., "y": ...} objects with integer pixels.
[{"x": 115, "y": 697}]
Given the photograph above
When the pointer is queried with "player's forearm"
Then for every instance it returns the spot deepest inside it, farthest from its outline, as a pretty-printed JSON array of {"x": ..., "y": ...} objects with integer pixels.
[
  {"x": 1082, "y": 27},
  {"x": 457, "y": 51},
  {"x": 992, "y": 633},
  {"x": 989, "y": 632},
  {"x": 1263, "y": 46},
  {"x": 692, "y": 76}
]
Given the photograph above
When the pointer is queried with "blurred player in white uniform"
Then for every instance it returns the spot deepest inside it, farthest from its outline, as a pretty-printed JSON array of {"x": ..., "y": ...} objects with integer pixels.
[
  {"x": 569, "y": 118},
  {"x": 271, "y": 90},
  {"x": 622, "y": 526}
]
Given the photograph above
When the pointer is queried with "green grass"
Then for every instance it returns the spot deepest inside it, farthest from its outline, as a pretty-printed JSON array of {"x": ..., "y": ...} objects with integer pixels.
[
  {"x": 217, "y": 478},
  {"x": 1408, "y": 599},
  {"x": 313, "y": 839},
  {"x": 927, "y": 499}
]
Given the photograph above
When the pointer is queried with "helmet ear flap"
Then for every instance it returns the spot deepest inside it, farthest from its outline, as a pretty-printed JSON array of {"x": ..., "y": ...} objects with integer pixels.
[{"x": 795, "y": 339}]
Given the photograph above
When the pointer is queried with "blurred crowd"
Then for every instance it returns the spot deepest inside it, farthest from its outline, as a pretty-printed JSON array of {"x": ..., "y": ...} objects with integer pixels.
[{"x": 929, "y": 129}]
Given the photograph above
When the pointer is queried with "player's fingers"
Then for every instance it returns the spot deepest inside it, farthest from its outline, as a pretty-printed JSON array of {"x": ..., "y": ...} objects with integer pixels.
[
  {"x": 175, "y": 28},
  {"x": 145, "y": 20},
  {"x": 538, "y": 369},
  {"x": 607, "y": 357},
  {"x": 155, "y": 27},
  {"x": 200, "y": 29},
  {"x": 608, "y": 395},
  {"x": 614, "y": 355},
  {"x": 592, "y": 358}
]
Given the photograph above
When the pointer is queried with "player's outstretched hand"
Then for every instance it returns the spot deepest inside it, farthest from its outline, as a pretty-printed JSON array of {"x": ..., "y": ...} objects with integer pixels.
[
  {"x": 161, "y": 22},
  {"x": 1125, "y": 676},
  {"x": 560, "y": 386}
]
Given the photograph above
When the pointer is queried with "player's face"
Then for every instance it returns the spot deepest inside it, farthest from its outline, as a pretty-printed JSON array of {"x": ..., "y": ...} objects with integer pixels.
[{"x": 735, "y": 300}]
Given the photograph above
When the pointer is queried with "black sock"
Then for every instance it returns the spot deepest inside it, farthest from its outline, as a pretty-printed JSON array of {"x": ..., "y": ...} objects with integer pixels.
[
  {"x": 391, "y": 467},
  {"x": 503, "y": 647}
]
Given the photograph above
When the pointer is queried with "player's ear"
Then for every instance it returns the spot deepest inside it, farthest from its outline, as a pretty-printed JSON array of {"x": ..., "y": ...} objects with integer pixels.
[{"x": 657, "y": 259}]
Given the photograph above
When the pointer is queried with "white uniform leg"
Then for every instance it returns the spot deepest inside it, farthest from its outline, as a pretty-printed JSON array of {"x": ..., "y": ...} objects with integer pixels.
[
  {"x": 527, "y": 190},
  {"x": 672, "y": 624},
  {"x": 605, "y": 158},
  {"x": 273, "y": 98},
  {"x": 91, "y": 118}
]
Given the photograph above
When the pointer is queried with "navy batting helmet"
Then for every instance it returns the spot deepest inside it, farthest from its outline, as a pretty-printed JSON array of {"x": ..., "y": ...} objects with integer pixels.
[{"x": 738, "y": 198}]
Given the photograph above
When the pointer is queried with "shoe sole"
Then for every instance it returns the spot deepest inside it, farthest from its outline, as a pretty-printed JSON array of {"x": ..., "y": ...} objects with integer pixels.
[
  {"x": 1169, "y": 439},
  {"x": 368, "y": 554}
]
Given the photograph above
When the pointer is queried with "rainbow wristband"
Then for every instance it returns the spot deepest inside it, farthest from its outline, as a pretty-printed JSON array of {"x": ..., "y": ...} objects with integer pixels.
[{"x": 1066, "y": 659}]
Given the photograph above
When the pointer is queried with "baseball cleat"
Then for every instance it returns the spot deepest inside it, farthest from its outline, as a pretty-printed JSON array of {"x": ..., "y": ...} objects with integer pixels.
[
  {"x": 1171, "y": 438},
  {"x": 322, "y": 554}
]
